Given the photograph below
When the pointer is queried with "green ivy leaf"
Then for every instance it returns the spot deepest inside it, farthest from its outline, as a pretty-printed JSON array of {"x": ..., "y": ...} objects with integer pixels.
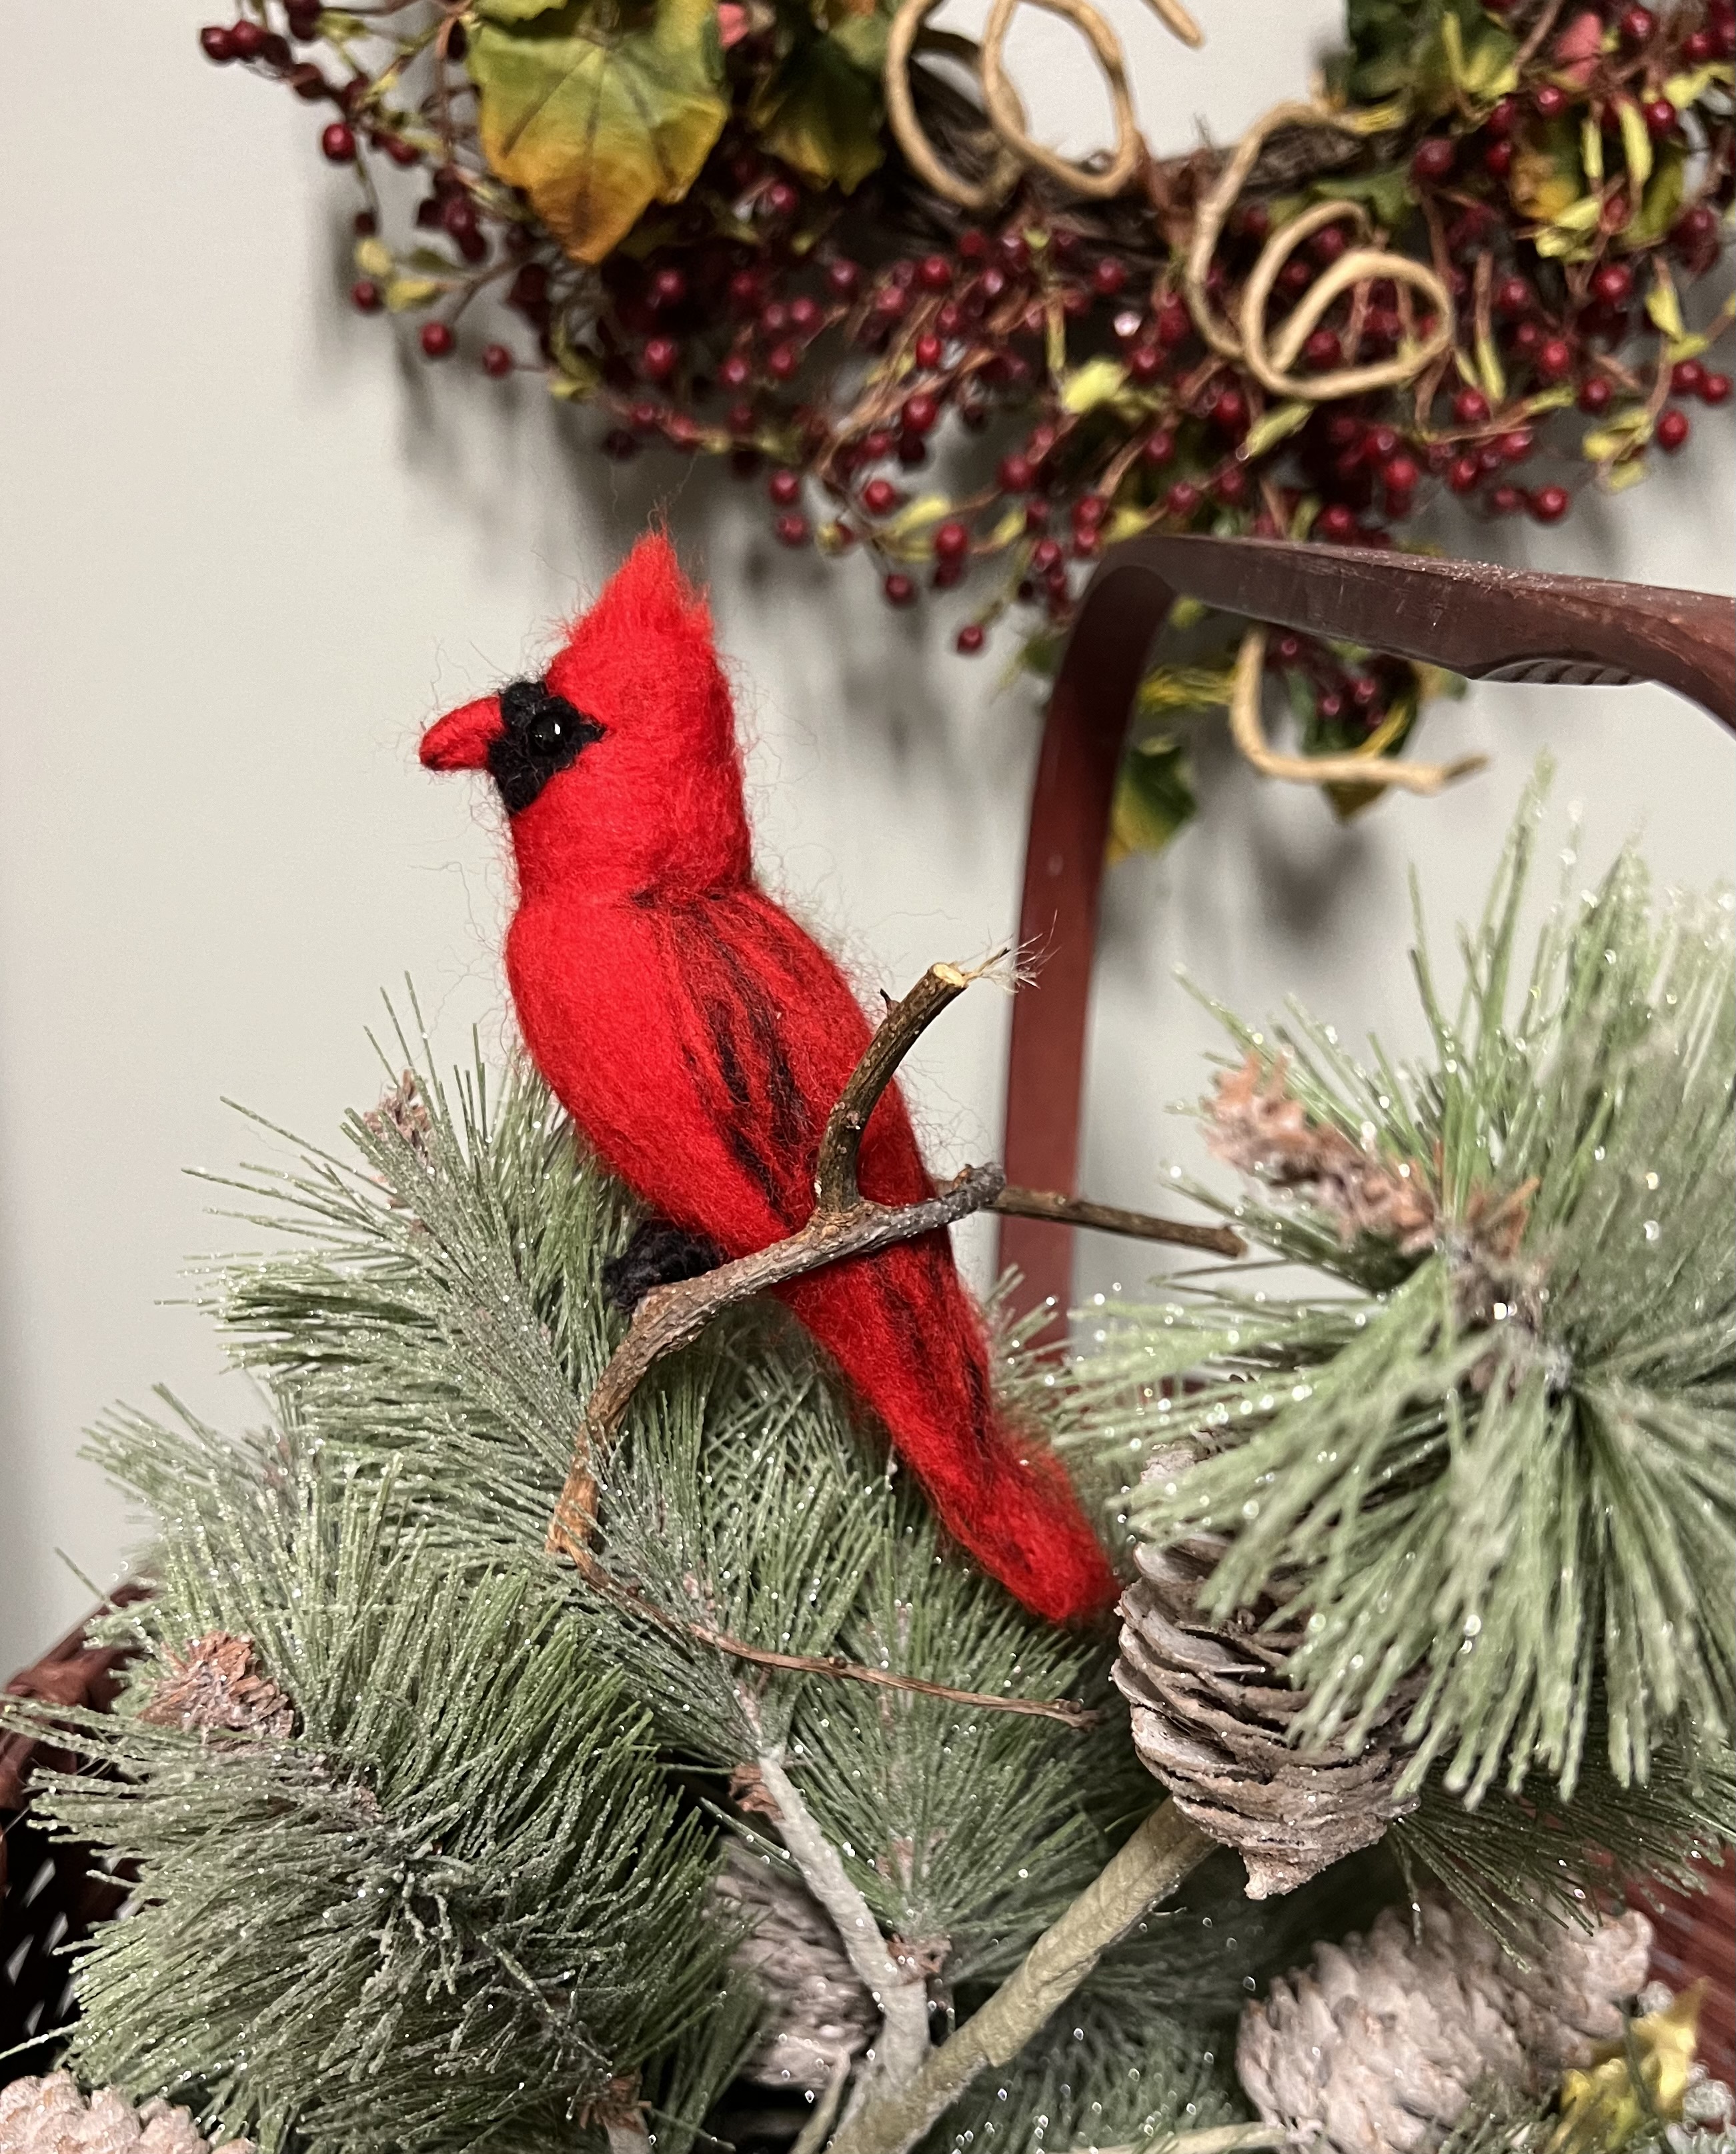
[
  {"x": 1388, "y": 196},
  {"x": 1154, "y": 798},
  {"x": 597, "y": 113},
  {"x": 1168, "y": 690},
  {"x": 822, "y": 113},
  {"x": 1487, "y": 69}
]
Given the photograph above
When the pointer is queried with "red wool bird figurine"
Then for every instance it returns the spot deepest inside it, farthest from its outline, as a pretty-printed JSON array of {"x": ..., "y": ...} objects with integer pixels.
[{"x": 698, "y": 1038}]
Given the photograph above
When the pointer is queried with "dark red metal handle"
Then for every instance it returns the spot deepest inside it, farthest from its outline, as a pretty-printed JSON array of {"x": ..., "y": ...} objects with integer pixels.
[{"x": 1476, "y": 620}]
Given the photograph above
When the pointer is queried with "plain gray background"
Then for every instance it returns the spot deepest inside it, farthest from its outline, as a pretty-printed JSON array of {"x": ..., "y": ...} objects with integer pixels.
[{"x": 249, "y": 550}]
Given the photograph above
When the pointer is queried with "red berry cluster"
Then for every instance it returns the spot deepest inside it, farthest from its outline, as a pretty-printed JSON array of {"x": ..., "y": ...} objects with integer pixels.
[{"x": 1017, "y": 394}]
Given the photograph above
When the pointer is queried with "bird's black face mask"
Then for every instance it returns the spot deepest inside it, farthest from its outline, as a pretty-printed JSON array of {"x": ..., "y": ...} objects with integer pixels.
[{"x": 543, "y": 735}]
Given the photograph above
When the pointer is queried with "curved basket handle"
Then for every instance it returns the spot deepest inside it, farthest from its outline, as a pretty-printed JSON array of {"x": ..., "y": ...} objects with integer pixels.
[{"x": 1484, "y": 622}]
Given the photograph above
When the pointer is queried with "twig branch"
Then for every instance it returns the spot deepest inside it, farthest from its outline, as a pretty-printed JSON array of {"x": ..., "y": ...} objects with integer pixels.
[
  {"x": 835, "y": 1664},
  {"x": 844, "y": 1223},
  {"x": 672, "y": 1316},
  {"x": 834, "y": 1179},
  {"x": 1146, "y": 1869},
  {"x": 1112, "y": 1219},
  {"x": 815, "y": 2132},
  {"x": 1222, "y": 2139},
  {"x": 900, "y": 1994}
]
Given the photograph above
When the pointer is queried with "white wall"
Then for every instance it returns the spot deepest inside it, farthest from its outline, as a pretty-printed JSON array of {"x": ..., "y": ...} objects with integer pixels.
[{"x": 247, "y": 554}]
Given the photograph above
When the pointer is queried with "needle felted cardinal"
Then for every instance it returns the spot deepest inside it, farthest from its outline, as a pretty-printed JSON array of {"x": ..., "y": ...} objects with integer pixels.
[{"x": 699, "y": 1038}]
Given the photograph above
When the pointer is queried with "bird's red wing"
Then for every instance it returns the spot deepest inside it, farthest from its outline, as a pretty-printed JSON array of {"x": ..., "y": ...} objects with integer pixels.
[
  {"x": 700, "y": 1045},
  {"x": 823, "y": 1034}
]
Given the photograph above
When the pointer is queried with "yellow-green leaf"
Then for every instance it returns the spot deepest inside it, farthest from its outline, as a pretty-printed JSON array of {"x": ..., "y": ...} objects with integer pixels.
[
  {"x": 1491, "y": 374},
  {"x": 373, "y": 258},
  {"x": 1683, "y": 90},
  {"x": 1636, "y": 145},
  {"x": 1128, "y": 523},
  {"x": 1617, "y": 478},
  {"x": 1696, "y": 341},
  {"x": 1664, "y": 308},
  {"x": 1546, "y": 179},
  {"x": 1095, "y": 383},
  {"x": 402, "y": 294},
  {"x": 1621, "y": 436},
  {"x": 1154, "y": 798},
  {"x": 1273, "y": 427},
  {"x": 1556, "y": 399},
  {"x": 822, "y": 114},
  {"x": 1591, "y": 148},
  {"x": 1663, "y": 200},
  {"x": 598, "y": 116},
  {"x": 915, "y": 516},
  {"x": 1011, "y": 525}
]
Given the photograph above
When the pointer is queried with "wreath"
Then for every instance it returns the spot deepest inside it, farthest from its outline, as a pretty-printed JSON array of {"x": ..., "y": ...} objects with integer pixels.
[{"x": 817, "y": 237}]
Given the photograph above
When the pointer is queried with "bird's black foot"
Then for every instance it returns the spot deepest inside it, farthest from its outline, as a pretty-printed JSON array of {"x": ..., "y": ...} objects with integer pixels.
[{"x": 659, "y": 1254}]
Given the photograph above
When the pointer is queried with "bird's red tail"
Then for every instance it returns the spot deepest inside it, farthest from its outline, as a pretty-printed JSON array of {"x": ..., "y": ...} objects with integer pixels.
[{"x": 913, "y": 1342}]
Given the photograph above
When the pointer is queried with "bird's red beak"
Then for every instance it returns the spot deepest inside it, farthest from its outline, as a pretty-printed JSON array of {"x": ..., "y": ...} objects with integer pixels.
[{"x": 460, "y": 740}]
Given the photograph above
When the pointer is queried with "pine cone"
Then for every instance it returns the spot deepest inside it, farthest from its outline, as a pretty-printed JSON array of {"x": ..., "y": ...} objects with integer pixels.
[
  {"x": 1256, "y": 1124},
  {"x": 217, "y": 1686},
  {"x": 50, "y": 2116},
  {"x": 1376, "y": 2049},
  {"x": 1212, "y": 1718},
  {"x": 817, "y": 2012}
]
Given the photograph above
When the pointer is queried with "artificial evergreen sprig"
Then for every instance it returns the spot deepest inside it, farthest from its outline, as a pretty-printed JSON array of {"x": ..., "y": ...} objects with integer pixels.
[
  {"x": 459, "y": 1900},
  {"x": 428, "y": 1338},
  {"x": 1496, "y": 1447}
]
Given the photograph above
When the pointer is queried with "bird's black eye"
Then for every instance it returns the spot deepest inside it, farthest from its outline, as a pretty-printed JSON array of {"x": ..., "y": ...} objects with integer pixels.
[{"x": 543, "y": 734}]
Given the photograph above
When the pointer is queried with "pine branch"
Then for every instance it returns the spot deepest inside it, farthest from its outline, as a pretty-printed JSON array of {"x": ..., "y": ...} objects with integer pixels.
[
  {"x": 836, "y": 1667},
  {"x": 1138, "y": 2080},
  {"x": 1499, "y": 1471},
  {"x": 844, "y": 1223},
  {"x": 485, "y": 1908},
  {"x": 1160, "y": 1853},
  {"x": 898, "y": 1992}
]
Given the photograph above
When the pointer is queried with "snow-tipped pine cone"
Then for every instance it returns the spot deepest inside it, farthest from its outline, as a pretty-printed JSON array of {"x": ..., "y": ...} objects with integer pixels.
[
  {"x": 1213, "y": 1718},
  {"x": 1376, "y": 2047},
  {"x": 817, "y": 2012},
  {"x": 50, "y": 2116}
]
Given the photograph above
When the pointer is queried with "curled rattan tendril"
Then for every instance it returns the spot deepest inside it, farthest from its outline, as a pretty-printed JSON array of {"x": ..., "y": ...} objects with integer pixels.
[
  {"x": 1016, "y": 151},
  {"x": 1377, "y": 772},
  {"x": 919, "y": 151},
  {"x": 1245, "y": 341}
]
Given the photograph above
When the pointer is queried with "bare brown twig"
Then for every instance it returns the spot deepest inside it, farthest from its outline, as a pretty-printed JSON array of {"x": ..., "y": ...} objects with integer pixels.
[
  {"x": 1112, "y": 1219},
  {"x": 1064, "y": 1710},
  {"x": 844, "y": 1223}
]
